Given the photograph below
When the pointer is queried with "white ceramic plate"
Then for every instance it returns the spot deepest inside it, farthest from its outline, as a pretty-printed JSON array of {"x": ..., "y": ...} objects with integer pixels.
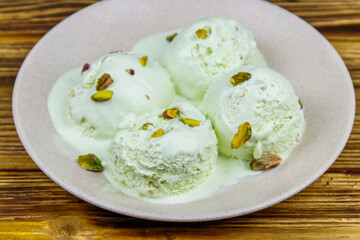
[{"x": 290, "y": 45}]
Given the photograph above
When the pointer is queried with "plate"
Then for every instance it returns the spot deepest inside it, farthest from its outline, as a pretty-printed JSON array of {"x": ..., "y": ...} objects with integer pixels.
[{"x": 291, "y": 46}]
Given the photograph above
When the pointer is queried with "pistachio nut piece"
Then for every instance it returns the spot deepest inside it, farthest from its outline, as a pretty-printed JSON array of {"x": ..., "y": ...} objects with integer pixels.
[
  {"x": 90, "y": 162},
  {"x": 103, "y": 82},
  {"x": 85, "y": 68},
  {"x": 242, "y": 136},
  {"x": 143, "y": 60},
  {"x": 190, "y": 122},
  {"x": 170, "y": 113},
  {"x": 201, "y": 33},
  {"x": 130, "y": 71},
  {"x": 265, "y": 162},
  {"x": 102, "y": 96},
  {"x": 239, "y": 78},
  {"x": 146, "y": 125},
  {"x": 157, "y": 133},
  {"x": 171, "y": 37}
]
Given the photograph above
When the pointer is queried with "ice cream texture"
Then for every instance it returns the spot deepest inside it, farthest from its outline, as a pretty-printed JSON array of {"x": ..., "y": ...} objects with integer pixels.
[
  {"x": 260, "y": 109},
  {"x": 164, "y": 148},
  {"x": 130, "y": 90},
  {"x": 169, "y": 152},
  {"x": 205, "y": 50}
]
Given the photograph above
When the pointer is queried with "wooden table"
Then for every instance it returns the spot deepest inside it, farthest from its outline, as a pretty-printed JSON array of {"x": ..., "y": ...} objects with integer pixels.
[{"x": 33, "y": 207}]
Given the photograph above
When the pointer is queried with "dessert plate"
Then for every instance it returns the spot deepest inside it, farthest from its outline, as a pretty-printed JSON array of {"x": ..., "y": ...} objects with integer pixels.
[{"x": 290, "y": 45}]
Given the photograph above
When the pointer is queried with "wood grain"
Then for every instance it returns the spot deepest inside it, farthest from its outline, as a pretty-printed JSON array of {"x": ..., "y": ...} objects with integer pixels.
[{"x": 33, "y": 207}]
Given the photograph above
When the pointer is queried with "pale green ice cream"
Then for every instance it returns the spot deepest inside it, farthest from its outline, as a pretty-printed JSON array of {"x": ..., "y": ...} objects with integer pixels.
[
  {"x": 195, "y": 61},
  {"x": 155, "y": 45},
  {"x": 173, "y": 163},
  {"x": 267, "y": 101},
  {"x": 149, "y": 88},
  {"x": 181, "y": 164}
]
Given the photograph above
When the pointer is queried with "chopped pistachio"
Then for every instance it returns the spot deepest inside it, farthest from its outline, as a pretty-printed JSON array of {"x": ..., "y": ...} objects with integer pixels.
[
  {"x": 157, "y": 133},
  {"x": 242, "y": 136},
  {"x": 147, "y": 96},
  {"x": 201, "y": 33},
  {"x": 143, "y": 60},
  {"x": 72, "y": 93},
  {"x": 130, "y": 71},
  {"x": 171, "y": 37},
  {"x": 170, "y": 113},
  {"x": 146, "y": 125},
  {"x": 103, "y": 82},
  {"x": 90, "y": 162},
  {"x": 239, "y": 78},
  {"x": 265, "y": 162},
  {"x": 102, "y": 96},
  {"x": 301, "y": 105},
  {"x": 85, "y": 68},
  {"x": 190, "y": 122}
]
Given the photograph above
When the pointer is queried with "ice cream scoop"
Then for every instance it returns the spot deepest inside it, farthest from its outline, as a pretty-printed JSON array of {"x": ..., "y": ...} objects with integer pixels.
[
  {"x": 254, "y": 111},
  {"x": 169, "y": 152},
  {"x": 115, "y": 90},
  {"x": 205, "y": 50}
]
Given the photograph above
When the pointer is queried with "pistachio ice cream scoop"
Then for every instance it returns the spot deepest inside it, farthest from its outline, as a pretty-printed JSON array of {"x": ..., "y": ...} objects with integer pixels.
[
  {"x": 169, "y": 152},
  {"x": 205, "y": 50},
  {"x": 115, "y": 90},
  {"x": 254, "y": 111}
]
